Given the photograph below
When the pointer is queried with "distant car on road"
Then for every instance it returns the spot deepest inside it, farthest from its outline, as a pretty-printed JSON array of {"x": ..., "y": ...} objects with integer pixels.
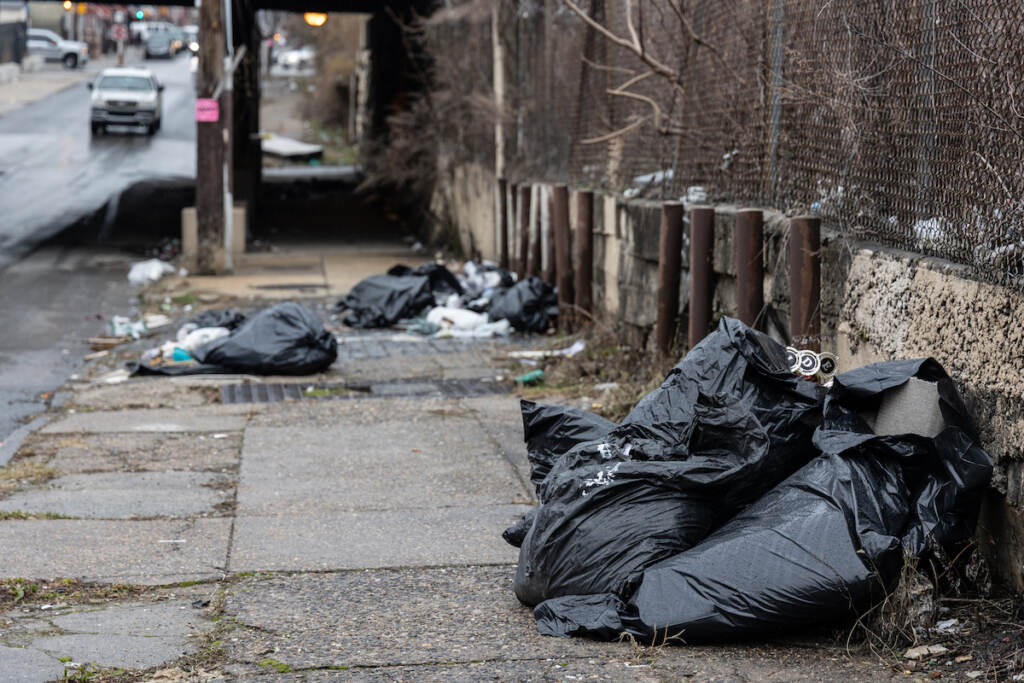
[
  {"x": 126, "y": 97},
  {"x": 53, "y": 48},
  {"x": 160, "y": 44},
  {"x": 301, "y": 58},
  {"x": 192, "y": 38}
]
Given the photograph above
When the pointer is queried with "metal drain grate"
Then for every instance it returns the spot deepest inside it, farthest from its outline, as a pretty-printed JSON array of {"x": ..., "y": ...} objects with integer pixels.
[{"x": 424, "y": 387}]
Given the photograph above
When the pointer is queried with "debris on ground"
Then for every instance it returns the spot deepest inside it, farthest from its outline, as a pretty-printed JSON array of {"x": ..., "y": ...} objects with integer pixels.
[
  {"x": 740, "y": 499},
  {"x": 475, "y": 300},
  {"x": 285, "y": 339},
  {"x": 148, "y": 272}
]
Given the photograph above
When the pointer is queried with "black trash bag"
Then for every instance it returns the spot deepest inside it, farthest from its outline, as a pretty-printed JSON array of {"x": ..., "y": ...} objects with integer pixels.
[
  {"x": 442, "y": 281},
  {"x": 515, "y": 534},
  {"x": 529, "y": 306},
  {"x": 826, "y": 541},
  {"x": 223, "y": 318},
  {"x": 729, "y": 423},
  {"x": 383, "y": 300},
  {"x": 551, "y": 430},
  {"x": 286, "y": 339}
]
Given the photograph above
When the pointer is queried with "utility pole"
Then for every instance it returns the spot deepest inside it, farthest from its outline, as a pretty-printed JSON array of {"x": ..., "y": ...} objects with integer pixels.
[{"x": 210, "y": 141}]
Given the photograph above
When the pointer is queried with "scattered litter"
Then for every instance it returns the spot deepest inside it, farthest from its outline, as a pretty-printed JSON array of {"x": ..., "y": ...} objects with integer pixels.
[
  {"x": 148, "y": 272},
  {"x": 97, "y": 355},
  {"x": 445, "y": 303},
  {"x": 947, "y": 626},
  {"x": 219, "y": 436},
  {"x": 567, "y": 352},
  {"x": 735, "y": 463},
  {"x": 113, "y": 377},
  {"x": 286, "y": 339},
  {"x": 155, "y": 321},
  {"x": 192, "y": 340},
  {"x": 606, "y": 386},
  {"x": 104, "y": 343},
  {"x": 978, "y": 674},
  {"x": 924, "y": 651},
  {"x": 120, "y": 326},
  {"x": 963, "y": 658},
  {"x": 172, "y": 540},
  {"x": 531, "y": 378}
]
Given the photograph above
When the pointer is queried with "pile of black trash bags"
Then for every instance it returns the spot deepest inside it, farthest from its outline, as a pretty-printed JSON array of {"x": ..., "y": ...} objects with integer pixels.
[
  {"x": 738, "y": 498},
  {"x": 285, "y": 339},
  {"x": 529, "y": 305}
]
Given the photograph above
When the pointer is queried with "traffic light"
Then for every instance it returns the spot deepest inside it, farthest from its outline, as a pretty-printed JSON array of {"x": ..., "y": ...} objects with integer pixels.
[
  {"x": 140, "y": 15},
  {"x": 67, "y": 5}
]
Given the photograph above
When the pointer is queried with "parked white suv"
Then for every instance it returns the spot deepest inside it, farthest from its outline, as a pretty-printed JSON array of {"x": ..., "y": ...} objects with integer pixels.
[
  {"x": 53, "y": 48},
  {"x": 126, "y": 97}
]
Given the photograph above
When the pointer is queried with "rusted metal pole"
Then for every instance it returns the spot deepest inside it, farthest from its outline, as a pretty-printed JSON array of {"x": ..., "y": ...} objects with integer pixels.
[
  {"x": 524, "y": 231},
  {"x": 748, "y": 249},
  {"x": 549, "y": 241},
  {"x": 670, "y": 247},
  {"x": 585, "y": 251},
  {"x": 536, "y": 233},
  {"x": 502, "y": 222},
  {"x": 562, "y": 255},
  {"x": 805, "y": 282},
  {"x": 702, "y": 244},
  {"x": 513, "y": 230}
]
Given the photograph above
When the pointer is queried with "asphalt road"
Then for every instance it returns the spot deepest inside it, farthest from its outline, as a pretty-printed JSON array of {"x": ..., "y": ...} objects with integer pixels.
[{"x": 53, "y": 172}]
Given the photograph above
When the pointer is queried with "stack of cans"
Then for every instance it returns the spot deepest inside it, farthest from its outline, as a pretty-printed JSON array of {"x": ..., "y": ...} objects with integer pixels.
[{"x": 819, "y": 367}]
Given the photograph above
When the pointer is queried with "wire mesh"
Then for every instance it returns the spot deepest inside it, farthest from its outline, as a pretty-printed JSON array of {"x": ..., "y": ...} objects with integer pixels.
[{"x": 897, "y": 121}]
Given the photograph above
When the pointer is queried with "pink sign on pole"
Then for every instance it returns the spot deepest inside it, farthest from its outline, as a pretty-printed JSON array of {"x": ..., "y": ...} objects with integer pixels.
[{"x": 207, "y": 110}]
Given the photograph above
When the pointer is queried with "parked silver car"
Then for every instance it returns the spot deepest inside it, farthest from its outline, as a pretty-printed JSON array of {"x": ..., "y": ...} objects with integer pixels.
[
  {"x": 53, "y": 48},
  {"x": 126, "y": 97}
]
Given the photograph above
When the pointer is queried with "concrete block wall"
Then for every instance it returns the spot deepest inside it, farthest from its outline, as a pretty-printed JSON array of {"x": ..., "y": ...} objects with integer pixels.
[{"x": 877, "y": 304}]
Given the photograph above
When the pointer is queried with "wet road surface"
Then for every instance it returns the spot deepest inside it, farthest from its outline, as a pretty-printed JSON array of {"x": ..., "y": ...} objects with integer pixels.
[
  {"x": 52, "y": 171},
  {"x": 50, "y": 304}
]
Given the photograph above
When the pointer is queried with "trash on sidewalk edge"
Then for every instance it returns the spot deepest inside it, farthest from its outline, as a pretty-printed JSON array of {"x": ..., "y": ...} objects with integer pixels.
[
  {"x": 148, "y": 272},
  {"x": 473, "y": 301},
  {"x": 285, "y": 339},
  {"x": 739, "y": 499}
]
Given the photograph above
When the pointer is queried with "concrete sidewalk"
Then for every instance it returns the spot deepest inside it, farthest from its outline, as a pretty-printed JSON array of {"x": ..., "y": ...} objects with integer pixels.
[{"x": 333, "y": 538}]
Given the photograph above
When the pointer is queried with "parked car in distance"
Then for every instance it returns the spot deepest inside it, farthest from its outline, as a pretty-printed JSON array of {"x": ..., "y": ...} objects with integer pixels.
[
  {"x": 160, "y": 44},
  {"x": 178, "y": 40},
  {"x": 126, "y": 97},
  {"x": 302, "y": 58},
  {"x": 53, "y": 48}
]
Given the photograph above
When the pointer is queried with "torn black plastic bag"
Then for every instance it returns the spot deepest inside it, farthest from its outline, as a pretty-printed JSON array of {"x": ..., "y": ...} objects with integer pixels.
[
  {"x": 383, "y": 300},
  {"x": 222, "y": 318},
  {"x": 286, "y": 339},
  {"x": 443, "y": 282},
  {"x": 729, "y": 423},
  {"x": 822, "y": 543},
  {"x": 529, "y": 306},
  {"x": 551, "y": 430}
]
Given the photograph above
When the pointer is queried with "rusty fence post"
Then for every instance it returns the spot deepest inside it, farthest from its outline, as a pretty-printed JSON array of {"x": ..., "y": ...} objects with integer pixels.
[
  {"x": 503, "y": 222},
  {"x": 748, "y": 252},
  {"x": 585, "y": 252},
  {"x": 524, "y": 231},
  {"x": 805, "y": 282},
  {"x": 670, "y": 245},
  {"x": 702, "y": 244},
  {"x": 537, "y": 232},
  {"x": 549, "y": 239},
  {"x": 562, "y": 255}
]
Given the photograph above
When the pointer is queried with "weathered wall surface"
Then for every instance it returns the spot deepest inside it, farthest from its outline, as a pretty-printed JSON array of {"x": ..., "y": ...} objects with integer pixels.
[{"x": 877, "y": 304}]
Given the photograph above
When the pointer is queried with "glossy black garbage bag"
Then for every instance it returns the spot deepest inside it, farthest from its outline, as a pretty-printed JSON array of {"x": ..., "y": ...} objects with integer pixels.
[
  {"x": 383, "y": 300},
  {"x": 729, "y": 423},
  {"x": 550, "y": 431},
  {"x": 820, "y": 544},
  {"x": 529, "y": 306},
  {"x": 286, "y": 339}
]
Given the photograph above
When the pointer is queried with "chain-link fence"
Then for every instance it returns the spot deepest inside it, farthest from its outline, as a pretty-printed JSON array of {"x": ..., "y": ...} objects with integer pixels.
[{"x": 895, "y": 120}]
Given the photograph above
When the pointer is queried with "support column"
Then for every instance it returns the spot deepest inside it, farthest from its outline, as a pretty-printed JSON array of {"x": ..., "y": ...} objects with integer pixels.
[
  {"x": 563, "y": 256},
  {"x": 805, "y": 282},
  {"x": 670, "y": 246},
  {"x": 702, "y": 244},
  {"x": 210, "y": 144},
  {"x": 748, "y": 252},
  {"x": 585, "y": 251}
]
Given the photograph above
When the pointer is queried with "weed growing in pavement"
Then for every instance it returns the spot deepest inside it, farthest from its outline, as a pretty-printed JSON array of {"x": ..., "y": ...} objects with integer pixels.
[
  {"x": 280, "y": 667},
  {"x": 648, "y": 653},
  {"x": 8, "y": 515}
]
